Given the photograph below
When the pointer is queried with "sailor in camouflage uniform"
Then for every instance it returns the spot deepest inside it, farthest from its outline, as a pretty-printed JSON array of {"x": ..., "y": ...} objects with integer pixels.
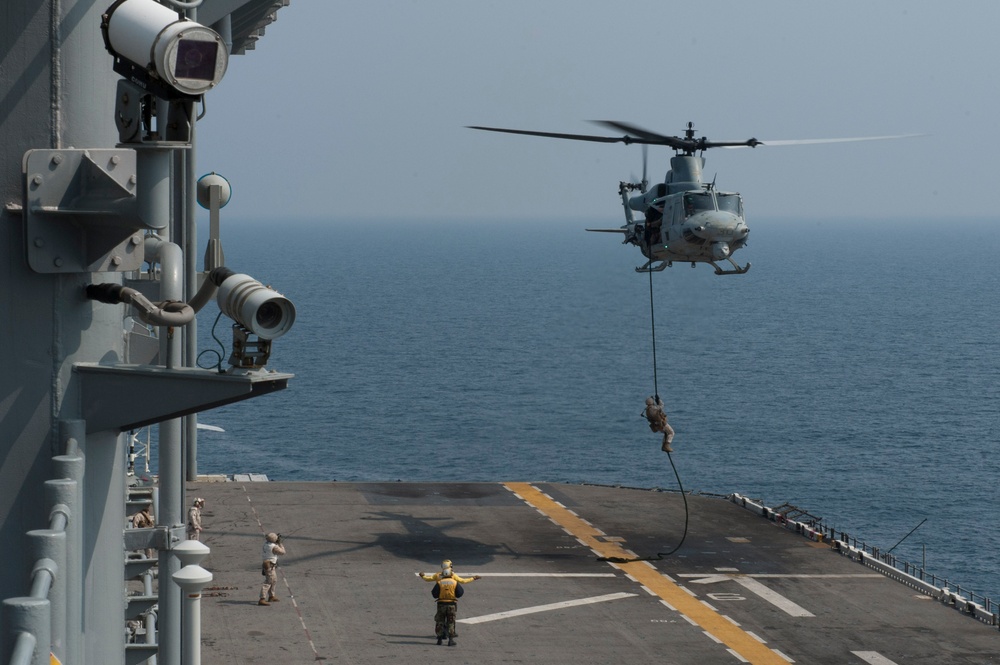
[
  {"x": 272, "y": 548},
  {"x": 447, "y": 591}
]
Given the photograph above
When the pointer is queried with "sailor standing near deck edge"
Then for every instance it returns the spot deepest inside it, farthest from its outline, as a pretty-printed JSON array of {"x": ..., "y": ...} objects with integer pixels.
[
  {"x": 194, "y": 519},
  {"x": 272, "y": 548}
]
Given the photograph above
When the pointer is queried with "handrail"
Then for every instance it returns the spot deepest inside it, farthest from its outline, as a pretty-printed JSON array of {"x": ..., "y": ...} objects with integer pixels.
[
  {"x": 38, "y": 619},
  {"x": 950, "y": 593},
  {"x": 916, "y": 571}
]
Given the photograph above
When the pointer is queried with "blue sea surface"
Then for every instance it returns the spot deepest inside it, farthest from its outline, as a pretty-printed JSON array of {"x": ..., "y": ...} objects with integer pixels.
[{"x": 852, "y": 372}]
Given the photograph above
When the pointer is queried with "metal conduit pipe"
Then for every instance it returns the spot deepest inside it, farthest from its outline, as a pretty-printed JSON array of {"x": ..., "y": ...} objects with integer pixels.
[
  {"x": 211, "y": 286},
  {"x": 171, "y": 467},
  {"x": 170, "y": 256},
  {"x": 166, "y": 313},
  {"x": 171, "y": 313}
]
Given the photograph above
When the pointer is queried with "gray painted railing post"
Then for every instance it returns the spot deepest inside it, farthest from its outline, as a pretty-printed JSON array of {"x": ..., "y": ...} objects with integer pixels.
[
  {"x": 26, "y": 620},
  {"x": 70, "y": 469},
  {"x": 48, "y": 581},
  {"x": 59, "y": 494}
]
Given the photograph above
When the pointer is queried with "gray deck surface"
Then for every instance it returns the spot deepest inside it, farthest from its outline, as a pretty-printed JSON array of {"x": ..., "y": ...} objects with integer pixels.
[{"x": 349, "y": 593}]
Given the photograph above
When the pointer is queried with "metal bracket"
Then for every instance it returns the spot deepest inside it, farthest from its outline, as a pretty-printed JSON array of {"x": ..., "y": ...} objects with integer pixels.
[
  {"x": 80, "y": 211},
  {"x": 150, "y": 538},
  {"x": 249, "y": 352},
  {"x": 136, "y": 116},
  {"x": 123, "y": 397}
]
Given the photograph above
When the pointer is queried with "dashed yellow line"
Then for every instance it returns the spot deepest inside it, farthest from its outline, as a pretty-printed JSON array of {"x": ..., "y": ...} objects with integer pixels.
[{"x": 713, "y": 623}]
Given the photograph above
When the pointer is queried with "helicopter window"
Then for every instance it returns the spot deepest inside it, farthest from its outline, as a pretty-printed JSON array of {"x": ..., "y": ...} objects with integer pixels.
[
  {"x": 694, "y": 203},
  {"x": 731, "y": 203}
]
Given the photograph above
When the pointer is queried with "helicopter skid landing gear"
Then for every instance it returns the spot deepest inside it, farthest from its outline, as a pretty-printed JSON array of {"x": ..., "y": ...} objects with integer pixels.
[
  {"x": 737, "y": 270},
  {"x": 649, "y": 267}
]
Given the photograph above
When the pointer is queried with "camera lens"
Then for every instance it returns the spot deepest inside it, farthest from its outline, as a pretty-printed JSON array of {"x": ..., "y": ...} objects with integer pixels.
[
  {"x": 269, "y": 315},
  {"x": 196, "y": 59}
]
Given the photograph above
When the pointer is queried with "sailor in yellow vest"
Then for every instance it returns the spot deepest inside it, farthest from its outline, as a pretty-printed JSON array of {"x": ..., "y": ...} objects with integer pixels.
[
  {"x": 447, "y": 591},
  {"x": 446, "y": 565}
]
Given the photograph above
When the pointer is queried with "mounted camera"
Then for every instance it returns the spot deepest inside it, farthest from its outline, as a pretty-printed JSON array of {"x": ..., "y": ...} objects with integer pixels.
[
  {"x": 160, "y": 51},
  {"x": 258, "y": 308}
]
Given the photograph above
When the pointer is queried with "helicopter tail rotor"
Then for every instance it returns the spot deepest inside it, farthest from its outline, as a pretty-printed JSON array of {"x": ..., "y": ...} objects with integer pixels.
[
  {"x": 642, "y": 185},
  {"x": 645, "y": 161}
]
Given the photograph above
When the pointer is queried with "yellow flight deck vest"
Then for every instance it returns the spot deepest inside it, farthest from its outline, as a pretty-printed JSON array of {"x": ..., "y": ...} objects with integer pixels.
[{"x": 447, "y": 590}]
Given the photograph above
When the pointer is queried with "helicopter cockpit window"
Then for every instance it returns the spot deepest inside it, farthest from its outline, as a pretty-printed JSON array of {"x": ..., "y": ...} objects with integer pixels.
[
  {"x": 695, "y": 203},
  {"x": 731, "y": 203}
]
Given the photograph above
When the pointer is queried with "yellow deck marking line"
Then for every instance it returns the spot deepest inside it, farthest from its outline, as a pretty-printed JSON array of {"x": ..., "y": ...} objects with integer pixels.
[{"x": 690, "y": 607}]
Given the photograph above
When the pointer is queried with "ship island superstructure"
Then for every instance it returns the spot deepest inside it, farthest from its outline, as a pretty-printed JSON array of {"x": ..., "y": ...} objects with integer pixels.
[{"x": 98, "y": 107}]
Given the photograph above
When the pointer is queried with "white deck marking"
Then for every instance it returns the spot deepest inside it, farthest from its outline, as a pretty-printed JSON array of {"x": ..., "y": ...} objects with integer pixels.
[
  {"x": 873, "y": 658},
  {"x": 750, "y": 582},
  {"x": 466, "y": 573},
  {"x": 708, "y": 578},
  {"x": 773, "y": 597},
  {"x": 812, "y": 577},
  {"x": 545, "y": 608}
]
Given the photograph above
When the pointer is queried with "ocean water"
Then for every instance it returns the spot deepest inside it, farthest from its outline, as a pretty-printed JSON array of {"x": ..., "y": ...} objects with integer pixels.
[{"x": 853, "y": 372}]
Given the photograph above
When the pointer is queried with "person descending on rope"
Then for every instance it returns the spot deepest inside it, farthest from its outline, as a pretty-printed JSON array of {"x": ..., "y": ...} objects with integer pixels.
[{"x": 658, "y": 421}]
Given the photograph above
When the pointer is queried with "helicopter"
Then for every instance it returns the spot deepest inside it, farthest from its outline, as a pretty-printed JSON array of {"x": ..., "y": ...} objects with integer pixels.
[{"x": 682, "y": 218}]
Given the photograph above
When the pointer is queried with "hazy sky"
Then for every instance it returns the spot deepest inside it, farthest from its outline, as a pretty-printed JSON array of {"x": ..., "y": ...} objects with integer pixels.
[{"x": 357, "y": 110}]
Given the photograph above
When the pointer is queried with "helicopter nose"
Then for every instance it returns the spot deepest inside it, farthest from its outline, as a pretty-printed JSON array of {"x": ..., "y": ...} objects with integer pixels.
[{"x": 718, "y": 226}]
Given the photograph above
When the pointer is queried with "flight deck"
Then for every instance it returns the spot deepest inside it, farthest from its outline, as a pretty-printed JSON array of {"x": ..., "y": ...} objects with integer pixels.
[{"x": 560, "y": 583}]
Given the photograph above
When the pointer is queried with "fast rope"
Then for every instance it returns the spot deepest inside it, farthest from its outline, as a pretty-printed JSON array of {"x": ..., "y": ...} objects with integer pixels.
[
  {"x": 656, "y": 394},
  {"x": 652, "y": 323}
]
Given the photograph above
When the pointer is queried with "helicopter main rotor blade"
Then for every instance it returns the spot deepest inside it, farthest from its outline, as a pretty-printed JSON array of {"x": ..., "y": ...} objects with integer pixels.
[
  {"x": 637, "y": 131},
  {"x": 852, "y": 139},
  {"x": 689, "y": 144},
  {"x": 555, "y": 135}
]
